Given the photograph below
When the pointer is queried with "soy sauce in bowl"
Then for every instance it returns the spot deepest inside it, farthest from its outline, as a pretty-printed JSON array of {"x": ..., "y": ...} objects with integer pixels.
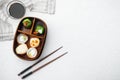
[{"x": 16, "y": 9}]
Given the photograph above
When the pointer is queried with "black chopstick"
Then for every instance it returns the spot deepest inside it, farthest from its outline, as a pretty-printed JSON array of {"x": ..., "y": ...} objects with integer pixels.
[
  {"x": 39, "y": 61},
  {"x": 28, "y": 74}
]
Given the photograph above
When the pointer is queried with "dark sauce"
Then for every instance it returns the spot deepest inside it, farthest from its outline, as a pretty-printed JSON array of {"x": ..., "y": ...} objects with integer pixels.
[{"x": 17, "y": 10}]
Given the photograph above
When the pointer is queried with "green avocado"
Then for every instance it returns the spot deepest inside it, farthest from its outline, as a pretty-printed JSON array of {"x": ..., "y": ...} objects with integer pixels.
[
  {"x": 39, "y": 29},
  {"x": 27, "y": 23}
]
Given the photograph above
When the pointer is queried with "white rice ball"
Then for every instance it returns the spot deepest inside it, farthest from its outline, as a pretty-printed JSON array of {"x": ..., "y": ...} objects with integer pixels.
[{"x": 21, "y": 49}]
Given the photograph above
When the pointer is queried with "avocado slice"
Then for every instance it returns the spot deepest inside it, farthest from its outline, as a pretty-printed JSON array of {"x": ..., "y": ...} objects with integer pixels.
[
  {"x": 27, "y": 23},
  {"x": 39, "y": 29}
]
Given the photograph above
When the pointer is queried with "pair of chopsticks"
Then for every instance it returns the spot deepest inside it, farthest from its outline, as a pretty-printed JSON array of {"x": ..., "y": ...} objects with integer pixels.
[{"x": 30, "y": 73}]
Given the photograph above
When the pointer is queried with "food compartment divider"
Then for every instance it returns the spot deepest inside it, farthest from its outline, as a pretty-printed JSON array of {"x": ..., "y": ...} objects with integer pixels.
[{"x": 33, "y": 23}]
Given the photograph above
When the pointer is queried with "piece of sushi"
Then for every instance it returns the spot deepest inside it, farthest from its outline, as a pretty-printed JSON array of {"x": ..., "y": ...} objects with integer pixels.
[
  {"x": 21, "y": 49},
  {"x": 27, "y": 23},
  {"x": 22, "y": 38},
  {"x": 34, "y": 42},
  {"x": 32, "y": 53},
  {"x": 39, "y": 30}
]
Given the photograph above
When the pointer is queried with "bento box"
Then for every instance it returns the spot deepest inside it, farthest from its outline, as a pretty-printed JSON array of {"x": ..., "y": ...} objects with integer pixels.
[{"x": 29, "y": 39}]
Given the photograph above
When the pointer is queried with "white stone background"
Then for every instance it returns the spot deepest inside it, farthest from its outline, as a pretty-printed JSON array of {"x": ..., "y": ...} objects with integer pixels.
[{"x": 88, "y": 29}]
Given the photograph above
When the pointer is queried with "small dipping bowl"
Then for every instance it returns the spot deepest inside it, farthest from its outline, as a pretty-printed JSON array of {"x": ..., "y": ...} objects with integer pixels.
[{"x": 16, "y": 9}]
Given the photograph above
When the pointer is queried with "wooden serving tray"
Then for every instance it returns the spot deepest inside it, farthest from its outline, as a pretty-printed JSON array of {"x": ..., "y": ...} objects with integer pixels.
[{"x": 29, "y": 32}]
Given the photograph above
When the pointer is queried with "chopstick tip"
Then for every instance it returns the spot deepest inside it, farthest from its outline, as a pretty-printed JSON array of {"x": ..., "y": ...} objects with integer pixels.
[
  {"x": 66, "y": 53},
  {"x": 61, "y": 47},
  {"x": 19, "y": 74}
]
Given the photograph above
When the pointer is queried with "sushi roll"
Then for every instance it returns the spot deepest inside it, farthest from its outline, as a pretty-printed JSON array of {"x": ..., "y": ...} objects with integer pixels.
[
  {"x": 21, "y": 49},
  {"x": 22, "y": 38},
  {"x": 34, "y": 42},
  {"x": 39, "y": 30},
  {"x": 32, "y": 53},
  {"x": 27, "y": 23}
]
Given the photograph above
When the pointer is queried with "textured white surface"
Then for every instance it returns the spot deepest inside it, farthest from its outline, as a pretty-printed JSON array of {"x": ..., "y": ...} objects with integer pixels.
[{"x": 88, "y": 29}]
